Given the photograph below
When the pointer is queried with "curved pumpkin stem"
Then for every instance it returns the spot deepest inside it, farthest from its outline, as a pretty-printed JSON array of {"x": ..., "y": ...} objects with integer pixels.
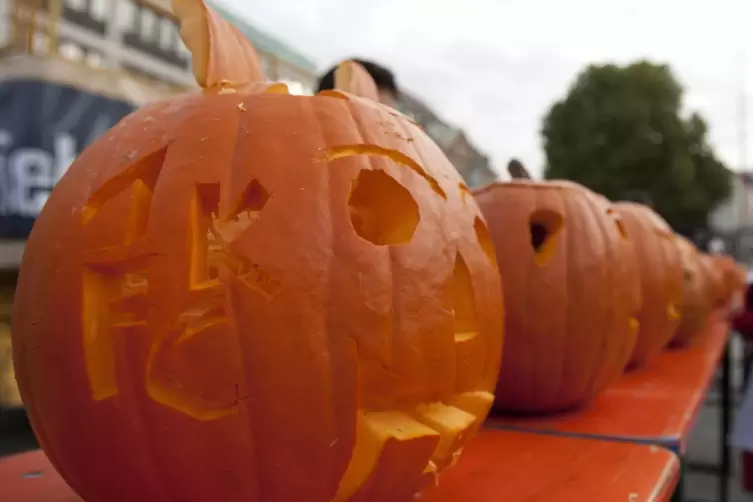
[
  {"x": 222, "y": 55},
  {"x": 517, "y": 170},
  {"x": 353, "y": 78}
]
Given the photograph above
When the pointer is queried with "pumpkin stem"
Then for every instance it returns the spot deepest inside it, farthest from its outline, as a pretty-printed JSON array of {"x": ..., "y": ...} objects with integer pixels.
[
  {"x": 517, "y": 171},
  {"x": 222, "y": 56},
  {"x": 353, "y": 78}
]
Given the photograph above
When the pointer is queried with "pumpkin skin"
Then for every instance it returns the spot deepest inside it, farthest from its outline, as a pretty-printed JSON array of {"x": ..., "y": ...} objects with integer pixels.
[
  {"x": 242, "y": 295},
  {"x": 571, "y": 293},
  {"x": 661, "y": 276},
  {"x": 696, "y": 302}
]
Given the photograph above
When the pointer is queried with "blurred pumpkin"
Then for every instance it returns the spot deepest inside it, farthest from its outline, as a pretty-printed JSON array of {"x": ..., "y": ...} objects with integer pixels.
[
  {"x": 239, "y": 294},
  {"x": 733, "y": 281},
  {"x": 714, "y": 276},
  {"x": 697, "y": 303},
  {"x": 571, "y": 294},
  {"x": 661, "y": 275}
]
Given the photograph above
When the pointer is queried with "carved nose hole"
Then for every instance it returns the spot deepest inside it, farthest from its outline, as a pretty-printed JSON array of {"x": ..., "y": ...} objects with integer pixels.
[{"x": 544, "y": 226}]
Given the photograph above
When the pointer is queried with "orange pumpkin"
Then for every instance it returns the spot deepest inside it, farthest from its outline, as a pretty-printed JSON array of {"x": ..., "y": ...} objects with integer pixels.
[
  {"x": 696, "y": 302},
  {"x": 661, "y": 277},
  {"x": 239, "y": 294},
  {"x": 733, "y": 281},
  {"x": 715, "y": 287},
  {"x": 571, "y": 293}
]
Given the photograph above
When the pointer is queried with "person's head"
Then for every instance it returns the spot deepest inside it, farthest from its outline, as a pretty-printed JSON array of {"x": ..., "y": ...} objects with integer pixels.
[{"x": 384, "y": 79}]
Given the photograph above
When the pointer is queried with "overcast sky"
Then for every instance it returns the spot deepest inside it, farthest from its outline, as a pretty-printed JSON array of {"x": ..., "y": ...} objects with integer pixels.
[{"x": 494, "y": 67}]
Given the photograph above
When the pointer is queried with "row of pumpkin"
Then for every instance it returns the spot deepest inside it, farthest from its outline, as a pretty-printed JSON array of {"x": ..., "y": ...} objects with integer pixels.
[
  {"x": 243, "y": 295},
  {"x": 592, "y": 288}
]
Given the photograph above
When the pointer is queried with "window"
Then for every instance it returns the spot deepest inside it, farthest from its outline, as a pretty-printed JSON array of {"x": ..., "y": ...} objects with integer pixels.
[
  {"x": 148, "y": 24},
  {"x": 40, "y": 43},
  {"x": 70, "y": 50},
  {"x": 93, "y": 59},
  {"x": 126, "y": 17},
  {"x": 167, "y": 34},
  {"x": 99, "y": 9}
]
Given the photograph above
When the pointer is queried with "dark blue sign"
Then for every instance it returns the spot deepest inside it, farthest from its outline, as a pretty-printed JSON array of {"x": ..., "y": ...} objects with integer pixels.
[{"x": 43, "y": 127}]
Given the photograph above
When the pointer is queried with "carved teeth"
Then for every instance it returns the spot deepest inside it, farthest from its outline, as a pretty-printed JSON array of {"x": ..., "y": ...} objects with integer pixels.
[
  {"x": 452, "y": 424},
  {"x": 417, "y": 445},
  {"x": 386, "y": 438}
]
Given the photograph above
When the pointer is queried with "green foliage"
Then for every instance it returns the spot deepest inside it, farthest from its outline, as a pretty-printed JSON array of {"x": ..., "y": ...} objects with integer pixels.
[{"x": 619, "y": 131}]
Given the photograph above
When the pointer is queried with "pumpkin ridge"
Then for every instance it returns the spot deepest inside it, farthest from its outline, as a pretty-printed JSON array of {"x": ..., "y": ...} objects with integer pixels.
[
  {"x": 340, "y": 461},
  {"x": 531, "y": 341},
  {"x": 591, "y": 208},
  {"x": 597, "y": 372},
  {"x": 565, "y": 242}
]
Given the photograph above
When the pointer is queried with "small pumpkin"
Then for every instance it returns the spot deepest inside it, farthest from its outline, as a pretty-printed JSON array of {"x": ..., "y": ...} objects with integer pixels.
[
  {"x": 733, "y": 281},
  {"x": 571, "y": 293},
  {"x": 243, "y": 295},
  {"x": 697, "y": 303},
  {"x": 715, "y": 286},
  {"x": 661, "y": 275}
]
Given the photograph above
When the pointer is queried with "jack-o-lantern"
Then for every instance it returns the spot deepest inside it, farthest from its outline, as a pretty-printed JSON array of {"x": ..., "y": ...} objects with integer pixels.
[
  {"x": 696, "y": 302},
  {"x": 243, "y": 295},
  {"x": 661, "y": 275},
  {"x": 571, "y": 293}
]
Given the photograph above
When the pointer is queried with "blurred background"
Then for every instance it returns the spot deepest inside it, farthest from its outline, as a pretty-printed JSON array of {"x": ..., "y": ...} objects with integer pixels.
[{"x": 638, "y": 100}]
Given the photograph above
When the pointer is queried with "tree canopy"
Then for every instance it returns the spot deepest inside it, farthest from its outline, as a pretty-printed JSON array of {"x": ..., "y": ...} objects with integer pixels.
[{"x": 620, "y": 131}]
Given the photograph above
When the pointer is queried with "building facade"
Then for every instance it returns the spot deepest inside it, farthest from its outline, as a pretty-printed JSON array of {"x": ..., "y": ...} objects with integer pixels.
[
  {"x": 139, "y": 36},
  {"x": 732, "y": 220},
  {"x": 472, "y": 165}
]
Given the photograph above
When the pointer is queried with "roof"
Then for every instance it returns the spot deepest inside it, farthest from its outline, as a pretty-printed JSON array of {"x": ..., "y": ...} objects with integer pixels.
[{"x": 265, "y": 42}]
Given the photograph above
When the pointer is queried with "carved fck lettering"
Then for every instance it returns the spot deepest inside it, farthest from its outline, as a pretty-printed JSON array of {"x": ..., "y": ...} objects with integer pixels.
[{"x": 116, "y": 283}]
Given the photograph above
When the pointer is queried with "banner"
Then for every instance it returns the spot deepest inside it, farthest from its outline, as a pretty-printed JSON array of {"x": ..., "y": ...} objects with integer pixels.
[{"x": 43, "y": 127}]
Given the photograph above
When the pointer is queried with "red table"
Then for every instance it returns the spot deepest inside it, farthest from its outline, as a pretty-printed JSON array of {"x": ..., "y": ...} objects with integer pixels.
[
  {"x": 497, "y": 466},
  {"x": 653, "y": 405},
  {"x": 506, "y": 466}
]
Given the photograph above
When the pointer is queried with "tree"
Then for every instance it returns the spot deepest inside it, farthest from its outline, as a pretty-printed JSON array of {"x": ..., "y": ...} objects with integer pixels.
[{"x": 620, "y": 132}]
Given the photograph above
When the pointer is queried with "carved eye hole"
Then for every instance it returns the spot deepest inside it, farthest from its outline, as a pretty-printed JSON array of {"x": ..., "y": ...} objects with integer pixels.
[
  {"x": 544, "y": 226},
  {"x": 382, "y": 211}
]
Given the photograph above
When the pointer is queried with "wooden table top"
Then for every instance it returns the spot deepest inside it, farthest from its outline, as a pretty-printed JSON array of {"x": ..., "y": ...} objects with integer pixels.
[{"x": 508, "y": 466}]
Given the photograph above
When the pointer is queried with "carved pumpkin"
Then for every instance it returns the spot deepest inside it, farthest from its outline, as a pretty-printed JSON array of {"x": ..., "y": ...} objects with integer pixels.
[
  {"x": 239, "y": 294},
  {"x": 696, "y": 302},
  {"x": 571, "y": 293},
  {"x": 661, "y": 276}
]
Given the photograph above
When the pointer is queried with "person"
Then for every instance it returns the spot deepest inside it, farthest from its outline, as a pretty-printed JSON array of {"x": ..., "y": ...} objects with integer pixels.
[{"x": 383, "y": 77}]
